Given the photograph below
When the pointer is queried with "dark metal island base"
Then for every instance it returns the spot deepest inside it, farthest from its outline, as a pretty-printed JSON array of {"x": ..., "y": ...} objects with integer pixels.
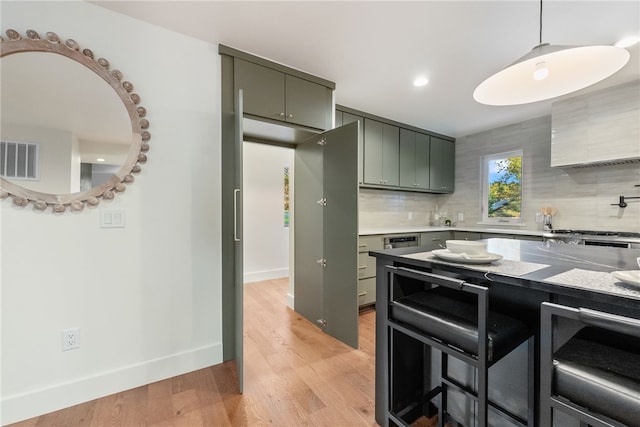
[{"x": 528, "y": 274}]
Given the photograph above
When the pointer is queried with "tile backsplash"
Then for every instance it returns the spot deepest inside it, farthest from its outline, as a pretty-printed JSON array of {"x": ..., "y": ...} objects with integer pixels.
[{"x": 583, "y": 196}]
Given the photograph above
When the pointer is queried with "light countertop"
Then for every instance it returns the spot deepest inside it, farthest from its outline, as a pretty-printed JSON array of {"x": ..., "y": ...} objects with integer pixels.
[{"x": 371, "y": 231}]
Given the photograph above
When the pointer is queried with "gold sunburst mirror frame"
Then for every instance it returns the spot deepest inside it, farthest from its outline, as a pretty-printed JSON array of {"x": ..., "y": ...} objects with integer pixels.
[{"x": 76, "y": 202}]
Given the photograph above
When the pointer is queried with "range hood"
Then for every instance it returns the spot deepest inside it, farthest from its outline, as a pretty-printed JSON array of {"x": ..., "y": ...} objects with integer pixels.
[{"x": 597, "y": 129}]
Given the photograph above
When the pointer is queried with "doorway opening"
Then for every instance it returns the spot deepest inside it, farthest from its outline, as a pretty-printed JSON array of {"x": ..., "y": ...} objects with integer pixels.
[{"x": 268, "y": 174}]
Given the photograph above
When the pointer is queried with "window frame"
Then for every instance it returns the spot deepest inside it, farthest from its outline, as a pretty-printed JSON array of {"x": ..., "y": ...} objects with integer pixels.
[{"x": 484, "y": 190}]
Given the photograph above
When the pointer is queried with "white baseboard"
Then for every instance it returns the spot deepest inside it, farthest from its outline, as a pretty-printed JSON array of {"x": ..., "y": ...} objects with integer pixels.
[
  {"x": 33, "y": 403},
  {"x": 291, "y": 301},
  {"x": 257, "y": 276}
]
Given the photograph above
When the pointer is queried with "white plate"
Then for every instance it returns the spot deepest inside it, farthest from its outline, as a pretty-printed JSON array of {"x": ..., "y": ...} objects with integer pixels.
[
  {"x": 630, "y": 277},
  {"x": 486, "y": 258}
]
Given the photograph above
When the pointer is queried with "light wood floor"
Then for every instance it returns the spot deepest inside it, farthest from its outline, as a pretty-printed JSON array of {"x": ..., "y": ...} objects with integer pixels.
[{"x": 294, "y": 375}]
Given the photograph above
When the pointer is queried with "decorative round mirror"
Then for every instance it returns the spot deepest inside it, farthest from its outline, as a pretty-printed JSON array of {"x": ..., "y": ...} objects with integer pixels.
[{"x": 72, "y": 131}]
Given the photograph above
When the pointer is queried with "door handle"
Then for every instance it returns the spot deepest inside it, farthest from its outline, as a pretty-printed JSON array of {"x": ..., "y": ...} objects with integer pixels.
[{"x": 235, "y": 215}]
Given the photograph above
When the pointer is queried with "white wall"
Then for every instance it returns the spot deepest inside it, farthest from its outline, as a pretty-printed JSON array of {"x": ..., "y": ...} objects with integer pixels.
[
  {"x": 266, "y": 240},
  {"x": 146, "y": 297},
  {"x": 583, "y": 196}
]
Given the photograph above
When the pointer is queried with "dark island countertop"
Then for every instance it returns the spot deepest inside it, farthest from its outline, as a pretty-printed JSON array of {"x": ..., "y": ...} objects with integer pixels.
[
  {"x": 561, "y": 269},
  {"x": 528, "y": 274}
]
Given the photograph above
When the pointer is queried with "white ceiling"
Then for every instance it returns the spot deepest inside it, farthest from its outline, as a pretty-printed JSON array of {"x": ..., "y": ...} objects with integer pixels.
[{"x": 373, "y": 50}]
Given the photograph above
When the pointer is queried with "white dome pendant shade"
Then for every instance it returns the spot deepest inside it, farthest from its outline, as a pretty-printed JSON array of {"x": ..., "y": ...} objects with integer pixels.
[{"x": 550, "y": 71}]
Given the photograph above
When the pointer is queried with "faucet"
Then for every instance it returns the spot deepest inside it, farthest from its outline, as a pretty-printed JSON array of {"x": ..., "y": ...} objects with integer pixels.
[{"x": 622, "y": 202}]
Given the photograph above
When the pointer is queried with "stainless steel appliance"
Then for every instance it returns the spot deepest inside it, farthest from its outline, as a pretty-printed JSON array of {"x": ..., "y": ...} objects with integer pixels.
[
  {"x": 618, "y": 239},
  {"x": 401, "y": 241}
]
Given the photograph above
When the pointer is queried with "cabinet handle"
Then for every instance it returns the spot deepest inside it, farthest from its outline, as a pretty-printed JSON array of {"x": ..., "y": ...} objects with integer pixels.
[
  {"x": 362, "y": 267},
  {"x": 361, "y": 294},
  {"x": 290, "y": 116},
  {"x": 362, "y": 246},
  {"x": 281, "y": 114},
  {"x": 235, "y": 215}
]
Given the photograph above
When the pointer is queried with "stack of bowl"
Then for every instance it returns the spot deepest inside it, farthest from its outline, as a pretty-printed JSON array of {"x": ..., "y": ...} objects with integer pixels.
[{"x": 472, "y": 248}]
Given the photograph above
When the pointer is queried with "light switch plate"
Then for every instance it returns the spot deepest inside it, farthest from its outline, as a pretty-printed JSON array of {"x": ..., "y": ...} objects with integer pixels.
[{"x": 112, "y": 218}]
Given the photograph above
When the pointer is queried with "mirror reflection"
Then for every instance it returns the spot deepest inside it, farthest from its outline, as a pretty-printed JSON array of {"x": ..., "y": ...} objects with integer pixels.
[{"x": 63, "y": 128}]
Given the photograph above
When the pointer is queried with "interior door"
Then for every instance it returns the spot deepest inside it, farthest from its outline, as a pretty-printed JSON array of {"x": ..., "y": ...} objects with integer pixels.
[
  {"x": 326, "y": 231},
  {"x": 237, "y": 238}
]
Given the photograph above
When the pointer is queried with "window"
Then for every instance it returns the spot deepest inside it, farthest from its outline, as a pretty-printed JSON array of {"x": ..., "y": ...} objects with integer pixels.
[
  {"x": 502, "y": 187},
  {"x": 19, "y": 160}
]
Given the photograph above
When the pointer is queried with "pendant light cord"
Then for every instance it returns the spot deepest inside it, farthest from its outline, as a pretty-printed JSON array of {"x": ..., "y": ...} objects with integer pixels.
[{"x": 540, "y": 22}]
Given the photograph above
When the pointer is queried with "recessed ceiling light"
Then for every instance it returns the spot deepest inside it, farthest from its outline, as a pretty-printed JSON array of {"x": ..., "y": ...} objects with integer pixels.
[
  {"x": 627, "y": 41},
  {"x": 100, "y": 160},
  {"x": 420, "y": 81}
]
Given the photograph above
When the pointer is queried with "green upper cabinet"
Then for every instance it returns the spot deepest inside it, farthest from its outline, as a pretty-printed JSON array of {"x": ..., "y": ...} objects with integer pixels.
[
  {"x": 397, "y": 156},
  {"x": 442, "y": 165},
  {"x": 381, "y": 148},
  {"x": 275, "y": 95},
  {"x": 414, "y": 160},
  {"x": 344, "y": 118}
]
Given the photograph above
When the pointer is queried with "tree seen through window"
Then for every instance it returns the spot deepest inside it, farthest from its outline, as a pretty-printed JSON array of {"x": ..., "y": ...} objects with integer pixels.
[{"x": 504, "y": 186}]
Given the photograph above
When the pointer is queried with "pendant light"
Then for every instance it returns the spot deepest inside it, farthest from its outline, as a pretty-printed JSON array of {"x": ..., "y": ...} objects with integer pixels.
[{"x": 549, "y": 71}]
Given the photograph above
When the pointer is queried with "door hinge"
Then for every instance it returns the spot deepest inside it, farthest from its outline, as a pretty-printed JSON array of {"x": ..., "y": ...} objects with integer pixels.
[
  {"x": 322, "y": 202},
  {"x": 322, "y": 142},
  {"x": 322, "y": 323},
  {"x": 322, "y": 262}
]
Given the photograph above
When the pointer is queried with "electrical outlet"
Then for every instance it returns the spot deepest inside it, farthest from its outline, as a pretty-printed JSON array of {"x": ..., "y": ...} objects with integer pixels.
[{"x": 70, "y": 338}]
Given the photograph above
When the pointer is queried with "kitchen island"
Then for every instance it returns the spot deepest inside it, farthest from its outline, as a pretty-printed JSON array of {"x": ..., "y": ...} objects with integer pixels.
[{"x": 528, "y": 274}]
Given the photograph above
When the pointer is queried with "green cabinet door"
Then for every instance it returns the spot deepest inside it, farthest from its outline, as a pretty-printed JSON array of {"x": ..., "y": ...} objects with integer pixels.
[
  {"x": 435, "y": 239},
  {"x": 279, "y": 96},
  {"x": 442, "y": 165},
  {"x": 307, "y": 103},
  {"x": 467, "y": 235},
  {"x": 423, "y": 161},
  {"x": 340, "y": 234},
  {"x": 407, "y": 158},
  {"x": 326, "y": 232},
  {"x": 263, "y": 89},
  {"x": 344, "y": 118},
  {"x": 414, "y": 160},
  {"x": 372, "y": 156},
  {"x": 391, "y": 154},
  {"x": 381, "y": 153}
]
